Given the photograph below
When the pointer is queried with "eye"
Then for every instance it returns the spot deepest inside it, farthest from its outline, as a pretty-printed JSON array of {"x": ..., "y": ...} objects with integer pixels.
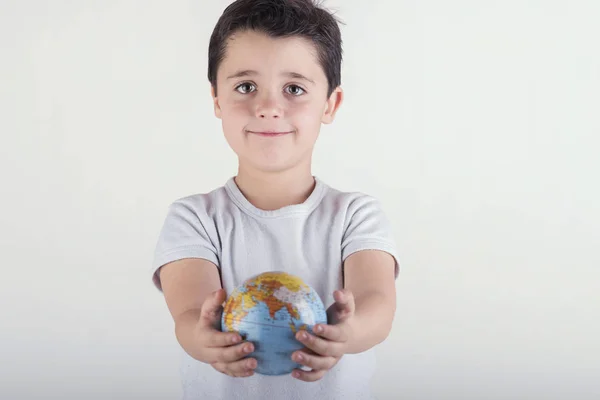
[
  {"x": 294, "y": 90},
  {"x": 245, "y": 87}
]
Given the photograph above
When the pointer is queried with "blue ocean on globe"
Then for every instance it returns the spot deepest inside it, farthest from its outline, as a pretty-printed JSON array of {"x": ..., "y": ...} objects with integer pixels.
[{"x": 268, "y": 310}]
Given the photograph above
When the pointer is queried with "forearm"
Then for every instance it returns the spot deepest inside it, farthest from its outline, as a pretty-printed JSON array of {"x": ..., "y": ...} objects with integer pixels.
[
  {"x": 185, "y": 332},
  {"x": 372, "y": 321}
]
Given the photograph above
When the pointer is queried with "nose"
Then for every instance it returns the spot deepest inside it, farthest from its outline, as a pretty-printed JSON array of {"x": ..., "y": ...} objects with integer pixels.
[{"x": 268, "y": 107}]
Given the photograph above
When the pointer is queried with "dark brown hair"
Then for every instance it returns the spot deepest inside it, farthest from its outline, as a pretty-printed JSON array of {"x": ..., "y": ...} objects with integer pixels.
[{"x": 280, "y": 18}]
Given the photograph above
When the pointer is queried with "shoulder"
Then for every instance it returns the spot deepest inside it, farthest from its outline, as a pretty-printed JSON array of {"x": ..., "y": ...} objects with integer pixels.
[
  {"x": 360, "y": 216},
  {"x": 201, "y": 207},
  {"x": 349, "y": 203},
  {"x": 365, "y": 223},
  {"x": 200, "y": 214}
]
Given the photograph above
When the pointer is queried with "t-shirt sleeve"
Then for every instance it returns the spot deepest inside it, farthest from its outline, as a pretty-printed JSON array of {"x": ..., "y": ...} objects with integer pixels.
[
  {"x": 368, "y": 228},
  {"x": 184, "y": 234}
]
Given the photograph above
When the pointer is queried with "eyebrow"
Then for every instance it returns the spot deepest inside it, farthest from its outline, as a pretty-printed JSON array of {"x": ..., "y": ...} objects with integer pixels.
[{"x": 249, "y": 72}]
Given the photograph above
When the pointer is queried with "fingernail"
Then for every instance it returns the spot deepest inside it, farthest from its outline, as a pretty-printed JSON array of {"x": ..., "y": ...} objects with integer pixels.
[
  {"x": 303, "y": 336},
  {"x": 248, "y": 349},
  {"x": 318, "y": 329},
  {"x": 235, "y": 339},
  {"x": 296, "y": 374},
  {"x": 299, "y": 358}
]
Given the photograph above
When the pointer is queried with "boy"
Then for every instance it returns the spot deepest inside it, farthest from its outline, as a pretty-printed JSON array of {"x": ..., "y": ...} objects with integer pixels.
[{"x": 274, "y": 69}]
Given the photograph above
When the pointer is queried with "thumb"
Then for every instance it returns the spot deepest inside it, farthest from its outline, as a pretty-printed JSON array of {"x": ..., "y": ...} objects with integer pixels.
[
  {"x": 344, "y": 302},
  {"x": 210, "y": 313}
]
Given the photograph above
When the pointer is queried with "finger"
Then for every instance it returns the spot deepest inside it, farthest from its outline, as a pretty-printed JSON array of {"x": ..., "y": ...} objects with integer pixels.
[
  {"x": 240, "y": 368},
  {"x": 211, "y": 337},
  {"x": 331, "y": 332},
  {"x": 319, "y": 345},
  {"x": 210, "y": 313},
  {"x": 308, "y": 376},
  {"x": 314, "y": 361},
  {"x": 234, "y": 353}
]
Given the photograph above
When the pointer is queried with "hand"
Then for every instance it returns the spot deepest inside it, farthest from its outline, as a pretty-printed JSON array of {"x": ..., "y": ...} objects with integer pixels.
[
  {"x": 326, "y": 348},
  {"x": 225, "y": 352}
]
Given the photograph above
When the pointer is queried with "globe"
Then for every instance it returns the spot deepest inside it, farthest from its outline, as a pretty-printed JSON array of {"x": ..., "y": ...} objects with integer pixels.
[{"x": 268, "y": 310}]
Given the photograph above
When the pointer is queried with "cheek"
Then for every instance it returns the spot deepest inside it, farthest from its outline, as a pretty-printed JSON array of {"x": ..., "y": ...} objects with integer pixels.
[
  {"x": 235, "y": 108},
  {"x": 234, "y": 115},
  {"x": 307, "y": 115}
]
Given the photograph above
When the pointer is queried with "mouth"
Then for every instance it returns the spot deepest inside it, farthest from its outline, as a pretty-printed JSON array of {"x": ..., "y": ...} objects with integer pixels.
[{"x": 269, "y": 133}]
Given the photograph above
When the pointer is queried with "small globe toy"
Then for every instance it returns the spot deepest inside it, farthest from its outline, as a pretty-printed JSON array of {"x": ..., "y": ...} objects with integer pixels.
[{"x": 268, "y": 310}]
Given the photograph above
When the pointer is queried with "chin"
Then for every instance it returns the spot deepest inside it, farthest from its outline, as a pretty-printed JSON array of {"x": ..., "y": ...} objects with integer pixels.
[{"x": 273, "y": 166}]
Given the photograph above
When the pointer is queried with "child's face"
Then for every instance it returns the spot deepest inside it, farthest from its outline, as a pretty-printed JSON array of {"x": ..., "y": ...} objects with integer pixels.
[{"x": 272, "y": 99}]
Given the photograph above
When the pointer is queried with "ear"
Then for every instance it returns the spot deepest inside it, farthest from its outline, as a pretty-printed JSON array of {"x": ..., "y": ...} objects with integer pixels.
[
  {"x": 215, "y": 102},
  {"x": 332, "y": 106}
]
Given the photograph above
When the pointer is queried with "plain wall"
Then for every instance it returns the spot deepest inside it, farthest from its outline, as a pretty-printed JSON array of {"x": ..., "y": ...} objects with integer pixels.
[{"x": 475, "y": 122}]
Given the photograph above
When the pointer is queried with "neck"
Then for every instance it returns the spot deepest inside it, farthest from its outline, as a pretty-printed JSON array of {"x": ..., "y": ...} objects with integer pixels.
[{"x": 274, "y": 190}]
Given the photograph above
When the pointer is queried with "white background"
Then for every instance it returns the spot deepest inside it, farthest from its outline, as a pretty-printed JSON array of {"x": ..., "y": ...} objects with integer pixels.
[{"x": 475, "y": 122}]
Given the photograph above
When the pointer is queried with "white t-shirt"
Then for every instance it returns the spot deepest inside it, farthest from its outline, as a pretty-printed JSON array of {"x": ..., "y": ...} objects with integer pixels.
[{"x": 310, "y": 240}]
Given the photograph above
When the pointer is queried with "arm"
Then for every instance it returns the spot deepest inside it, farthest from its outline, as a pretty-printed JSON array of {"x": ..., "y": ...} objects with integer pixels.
[
  {"x": 186, "y": 284},
  {"x": 369, "y": 276},
  {"x": 192, "y": 289},
  {"x": 360, "y": 318}
]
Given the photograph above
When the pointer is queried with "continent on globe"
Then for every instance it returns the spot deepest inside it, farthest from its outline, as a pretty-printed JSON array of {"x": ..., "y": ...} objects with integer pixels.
[{"x": 268, "y": 310}]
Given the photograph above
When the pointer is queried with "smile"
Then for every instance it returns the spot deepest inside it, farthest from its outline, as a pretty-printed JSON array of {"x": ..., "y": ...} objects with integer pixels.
[{"x": 269, "y": 133}]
